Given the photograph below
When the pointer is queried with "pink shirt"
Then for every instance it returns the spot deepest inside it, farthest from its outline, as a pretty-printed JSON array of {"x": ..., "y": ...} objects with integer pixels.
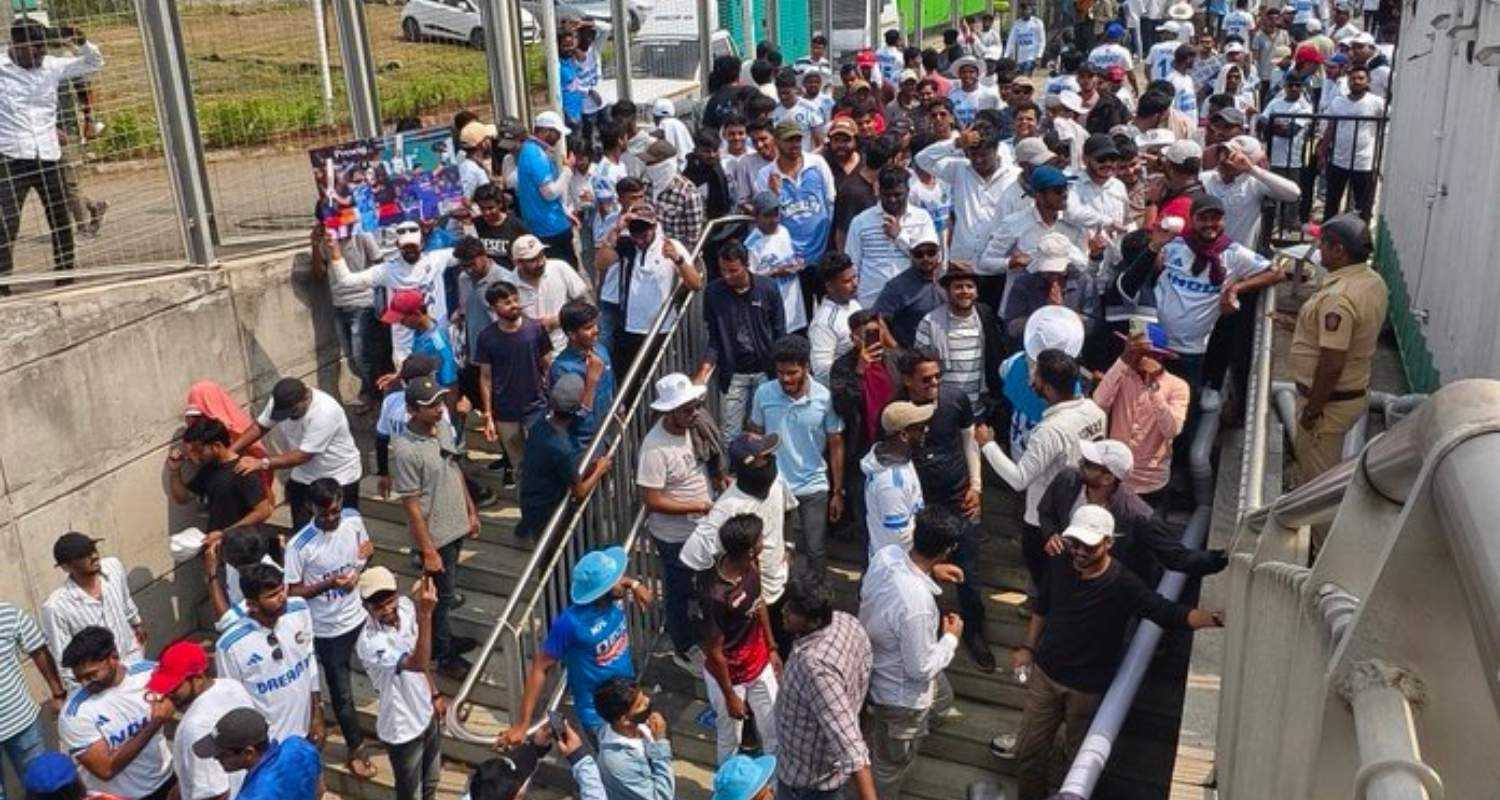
[{"x": 1146, "y": 419}]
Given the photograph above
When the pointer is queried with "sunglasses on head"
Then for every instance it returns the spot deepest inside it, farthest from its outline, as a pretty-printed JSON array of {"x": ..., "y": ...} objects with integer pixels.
[{"x": 276, "y": 654}]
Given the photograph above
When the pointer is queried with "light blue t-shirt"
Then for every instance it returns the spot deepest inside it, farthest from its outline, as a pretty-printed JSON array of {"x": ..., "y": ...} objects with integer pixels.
[
  {"x": 806, "y": 205},
  {"x": 803, "y": 425},
  {"x": 593, "y": 643},
  {"x": 546, "y": 218}
]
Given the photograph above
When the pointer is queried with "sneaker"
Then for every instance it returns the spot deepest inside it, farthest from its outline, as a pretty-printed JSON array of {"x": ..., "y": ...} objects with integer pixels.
[
  {"x": 979, "y": 650},
  {"x": 458, "y": 601},
  {"x": 1003, "y": 746},
  {"x": 486, "y": 499},
  {"x": 1211, "y": 400}
]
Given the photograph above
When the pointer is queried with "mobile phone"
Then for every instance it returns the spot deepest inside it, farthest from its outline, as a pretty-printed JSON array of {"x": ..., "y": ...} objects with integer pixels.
[
  {"x": 872, "y": 337},
  {"x": 1137, "y": 327},
  {"x": 555, "y": 721}
]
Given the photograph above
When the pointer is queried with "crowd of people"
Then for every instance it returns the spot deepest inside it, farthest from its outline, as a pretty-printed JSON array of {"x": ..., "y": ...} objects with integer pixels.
[{"x": 945, "y": 262}]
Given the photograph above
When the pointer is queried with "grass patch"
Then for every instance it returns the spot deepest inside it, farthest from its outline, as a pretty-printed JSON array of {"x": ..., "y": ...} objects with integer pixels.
[{"x": 256, "y": 79}]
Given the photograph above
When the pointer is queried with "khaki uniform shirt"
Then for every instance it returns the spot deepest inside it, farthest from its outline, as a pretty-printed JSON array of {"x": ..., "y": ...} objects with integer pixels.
[{"x": 1346, "y": 313}]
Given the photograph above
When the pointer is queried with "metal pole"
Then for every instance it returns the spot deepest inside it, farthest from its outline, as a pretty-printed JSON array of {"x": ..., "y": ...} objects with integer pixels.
[
  {"x": 956, "y": 12},
  {"x": 747, "y": 24},
  {"x": 161, "y": 35},
  {"x": 873, "y": 12},
  {"x": 827, "y": 6},
  {"x": 620, "y": 20},
  {"x": 324, "y": 71},
  {"x": 498, "y": 50},
  {"x": 518, "y": 77},
  {"x": 359, "y": 67},
  {"x": 916, "y": 24},
  {"x": 705, "y": 50},
  {"x": 549, "y": 43},
  {"x": 773, "y": 22}
]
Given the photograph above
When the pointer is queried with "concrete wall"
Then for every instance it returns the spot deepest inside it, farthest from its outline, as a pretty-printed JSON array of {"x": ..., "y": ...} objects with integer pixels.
[
  {"x": 1441, "y": 177},
  {"x": 92, "y": 382}
]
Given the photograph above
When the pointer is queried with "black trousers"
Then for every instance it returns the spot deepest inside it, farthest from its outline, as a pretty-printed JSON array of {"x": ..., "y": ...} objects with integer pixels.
[
  {"x": 561, "y": 246},
  {"x": 1361, "y": 186},
  {"x": 18, "y": 176},
  {"x": 334, "y": 655}
]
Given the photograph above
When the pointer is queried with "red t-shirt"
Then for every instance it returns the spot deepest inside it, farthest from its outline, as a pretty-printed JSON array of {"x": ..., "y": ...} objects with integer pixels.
[
  {"x": 878, "y": 391},
  {"x": 732, "y": 609}
]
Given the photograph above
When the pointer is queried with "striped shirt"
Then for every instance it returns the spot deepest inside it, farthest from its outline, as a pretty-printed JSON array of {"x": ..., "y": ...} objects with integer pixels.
[
  {"x": 19, "y": 637},
  {"x": 962, "y": 351},
  {"x": 70, "y": 609},
  {"x": 877, "y": 256}
]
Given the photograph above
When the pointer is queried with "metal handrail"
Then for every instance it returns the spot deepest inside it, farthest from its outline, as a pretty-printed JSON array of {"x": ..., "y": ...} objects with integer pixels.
[{"x": 566, "y": 519}]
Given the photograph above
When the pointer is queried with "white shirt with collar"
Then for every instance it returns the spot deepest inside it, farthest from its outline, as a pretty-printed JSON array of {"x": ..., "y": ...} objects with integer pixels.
[
  {"x": 323, "y": 433},
  {"x": 1106, "y": 200},
  {"x": 28, "y": 101},
  {"x": 1243, "y": 198},
  {"x": 280, "y": 678},
  {"x": 976, "y": 199},
  {"x": 558, "y": 284},
  {"x": 703, "y": 547},
  {"x": 405, "y": 709},
  {"x": 114, "y": 716},
  {"x": 395, "y": 274},
  {"x": 1354, "y": 142},
  {"x": 652, "y": 277},
  {"x": 1019, "y": 233},
  {"x": 876, "y": 255},
  {"x": 69, "y": 609},
  {"x": 898, "y": 609},
  {"x": 829, "y": 335},
  {"x": 1050, "y": 448}
]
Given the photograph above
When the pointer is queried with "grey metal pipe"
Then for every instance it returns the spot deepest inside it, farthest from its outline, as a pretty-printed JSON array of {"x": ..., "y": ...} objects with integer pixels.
[
  {"x": 1200, "y": 456},
  {"x": 1463, "y": 488},
  {"x": 494, "y": 20},
  {"x": 1284, "y": 399},
  {"x": 620, "y": 20},
  {"x": 705, "y": 11},
  {"x": 1088, "y": 765},
  {"x": 773, "y": 21},
  {"x": 359, "y": 67}
]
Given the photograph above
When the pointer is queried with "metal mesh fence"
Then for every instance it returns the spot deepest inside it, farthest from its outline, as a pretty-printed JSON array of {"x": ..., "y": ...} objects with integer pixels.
[{"x": 97, "y": 194}]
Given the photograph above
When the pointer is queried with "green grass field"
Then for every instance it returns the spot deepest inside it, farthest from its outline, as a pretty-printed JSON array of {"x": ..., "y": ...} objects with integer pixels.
[{"x": 256, "y": 79}]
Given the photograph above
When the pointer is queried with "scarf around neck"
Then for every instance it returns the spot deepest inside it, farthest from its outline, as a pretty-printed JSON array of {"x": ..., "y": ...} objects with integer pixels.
[{"x": 1209, "y": 256}]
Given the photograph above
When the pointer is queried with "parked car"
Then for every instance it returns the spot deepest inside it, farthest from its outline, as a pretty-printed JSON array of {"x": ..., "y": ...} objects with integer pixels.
[
  {"x": 34, "y": 9},
  {"x": 597, "y": 10},
  {"x": 454, "y": 20}
]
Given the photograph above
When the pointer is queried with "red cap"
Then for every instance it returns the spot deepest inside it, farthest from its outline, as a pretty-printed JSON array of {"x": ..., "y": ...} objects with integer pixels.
[
  {"x": 177, "y": 663},
  {"x": 1115, "y": 73},
  {"x": 403, "y": 302},
  {"x": 1178, "y": 207},
  {"x": 1309, "y": 54},
  {"x": 864, "y": 58}
]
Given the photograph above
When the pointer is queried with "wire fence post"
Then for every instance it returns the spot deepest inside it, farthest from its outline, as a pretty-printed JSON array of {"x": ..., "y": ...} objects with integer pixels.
[
  {"x": 161, "y": 34},
  {"x": 325, "y": 72},
  {"x": 499, "y": 55},
  {"x": 359, "y": 67},
  {"x": 619, "y": 21},
  {"x": 916, "y": 24},
  {"x": 827, "y": 6},
  {"x": 705, "y": 44},
  {"x": 548, "y": 23},
  {"x": 873, "y": 11},
  {"x": 773, "y": 22},
  {"x": 747, "y": 25}
]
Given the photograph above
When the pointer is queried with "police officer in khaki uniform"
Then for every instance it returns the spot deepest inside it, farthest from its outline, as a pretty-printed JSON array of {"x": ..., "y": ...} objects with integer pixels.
[{"x": 1334, "y": 345}]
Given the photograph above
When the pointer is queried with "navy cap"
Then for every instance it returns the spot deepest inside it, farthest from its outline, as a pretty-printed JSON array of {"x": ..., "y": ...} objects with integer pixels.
[
  {"x": 749, "y": 446},
  {"x": 49, "y": 772},
  {"x": 1048, "y": 177}
]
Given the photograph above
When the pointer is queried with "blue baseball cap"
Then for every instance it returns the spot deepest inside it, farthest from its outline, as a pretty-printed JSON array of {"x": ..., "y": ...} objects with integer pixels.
[
  {"x": 742, "y": 777},
  {"x": 49, "y": 772},
  {"x": 1049, "y": 177},
  {"x": 596, "y": 573},
  {"x": 1114, "y": 30}
]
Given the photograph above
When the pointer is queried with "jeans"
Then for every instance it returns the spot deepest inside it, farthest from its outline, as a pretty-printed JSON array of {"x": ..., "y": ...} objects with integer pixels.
[
  {"x": 966, "y": 558},
  {"x": 446, "y": 584},
  {"x": 759, "y": 694},
  {"x": 296, "y": 500},
  {"x": 895, "y": 736},
  {"x": 1189, "y": 367},
  {"x": 1361, "y": 187},
  {"x": 18, "y": 176},
  {"x": 734, "y": 404},
  {"x": 354, "y": 326},
  {"x": 1049, "y": 706},
  {"x": 21, "y": 749},
  {"x": 417, "y": 765},
  {"x": 677, "y": 594},
  {"x": 512, "y": 435},
  {"x": 808, "y": 524},
  {"x": 1306, "y": 178},
  {"x": 1034, "y": 553},
  {"x": 609, "y": 326},
  {"x": 333, "y": 661}
]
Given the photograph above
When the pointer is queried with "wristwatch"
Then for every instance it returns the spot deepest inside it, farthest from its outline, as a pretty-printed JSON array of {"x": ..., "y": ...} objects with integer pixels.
[{"x": 265, "y": 465}]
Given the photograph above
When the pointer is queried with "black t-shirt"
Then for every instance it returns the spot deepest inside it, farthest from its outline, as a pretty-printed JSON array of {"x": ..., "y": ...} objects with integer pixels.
[
  {"x": 942, "y": 465},
  {"x": 855, "y": 194},
  {"x": 229, "y": 496},
  {"x": 497, "y": 238},
  {"x": 515, "y": 361},
  {"x": 726, "y": 101},
  {"x": 1083, "y": 639},
  {"x": 731, "y": 609}
]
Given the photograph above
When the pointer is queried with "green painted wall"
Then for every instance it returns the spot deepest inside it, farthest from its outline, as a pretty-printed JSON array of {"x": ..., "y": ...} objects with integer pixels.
[
  {"x": 796, "y": 26},
  {"x": 1416, "y": 359}
]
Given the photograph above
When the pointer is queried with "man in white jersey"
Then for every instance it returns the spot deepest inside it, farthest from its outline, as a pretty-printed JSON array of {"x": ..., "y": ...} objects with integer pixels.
[
  {"x": 109, "y": 726},
  {"x": 270, "y": 652},
  {"x": 182, "y": 676},
  {"x": 323, "y": 562},
  {"x": 395, "y": 645}
]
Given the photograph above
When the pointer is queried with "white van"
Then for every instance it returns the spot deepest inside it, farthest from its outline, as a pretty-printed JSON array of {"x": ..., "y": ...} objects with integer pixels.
[{"x": 851, "y": 24}]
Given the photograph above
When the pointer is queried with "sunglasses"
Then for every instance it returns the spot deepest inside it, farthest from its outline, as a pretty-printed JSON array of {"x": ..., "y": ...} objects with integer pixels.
[{"x": 276, "y": 654}]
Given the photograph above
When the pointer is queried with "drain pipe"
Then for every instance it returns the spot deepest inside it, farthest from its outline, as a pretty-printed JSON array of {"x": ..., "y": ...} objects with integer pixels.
[{"x": 1200, "y": 455}]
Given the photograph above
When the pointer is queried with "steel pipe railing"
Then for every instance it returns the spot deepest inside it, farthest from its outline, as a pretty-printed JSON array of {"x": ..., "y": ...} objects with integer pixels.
[{"x": 540, "y": 584}]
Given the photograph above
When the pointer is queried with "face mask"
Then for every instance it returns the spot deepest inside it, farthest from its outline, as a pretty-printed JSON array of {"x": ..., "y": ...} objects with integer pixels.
[
  {"x": 659, "y": 175},
  {"x": 756, "y": 479}
]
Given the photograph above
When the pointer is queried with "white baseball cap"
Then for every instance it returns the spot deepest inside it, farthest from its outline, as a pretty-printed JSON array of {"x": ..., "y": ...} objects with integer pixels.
[
  {"x": 1112, "y": 455},
  {"x": 1155, "y": 139},
  {"x": 1363, "y": 37},
  {"x": 1314, "y": 26},
  {"x": 1053, "y": 253},
  {"x": 1070, "y": 100},
  {"x": 1090, "y": 525},
  {"x": 1170, "y": 26},
  {"x": 1233, "y": 47},
  {"x": 1032, "y": 151},
  {"x": 550, "y": 120},
  {"x": 675, "y": 391},
  {"x": 526, "y": 247},
  {"x": 1249, "y": 145},
  {"x": 1183, "y": 150},
  {"x": 1053, "y": 328},
  {"x": 1180, "y": 11},
  {"x": 662, "y": 108}
]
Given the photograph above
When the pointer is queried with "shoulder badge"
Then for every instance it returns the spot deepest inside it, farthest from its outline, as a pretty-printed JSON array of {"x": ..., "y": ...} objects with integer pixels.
[{"x": 1331, "y": 321}]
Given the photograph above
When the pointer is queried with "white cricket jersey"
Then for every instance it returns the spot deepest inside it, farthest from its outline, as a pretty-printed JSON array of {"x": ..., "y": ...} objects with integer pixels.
[
  {"x": 405, "y": 709},
  {"x": 314, "y": 556},
  {"x": 114, "y": 716},
  {"x": 282, "y": 677}
]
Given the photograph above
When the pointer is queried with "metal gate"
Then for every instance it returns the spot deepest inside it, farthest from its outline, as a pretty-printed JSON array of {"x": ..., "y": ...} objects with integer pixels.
[{"x": 1293, "y": 150}]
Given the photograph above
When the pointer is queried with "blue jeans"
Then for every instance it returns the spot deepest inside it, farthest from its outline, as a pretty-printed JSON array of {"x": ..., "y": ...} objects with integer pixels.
[
  {"x": 784, "y": 792},
  {"x": 21, "y": 749},
  {"x": 354, "y": 328},
  {"x": 609, "y": 322},
  {"x": 677, "y": 591}
]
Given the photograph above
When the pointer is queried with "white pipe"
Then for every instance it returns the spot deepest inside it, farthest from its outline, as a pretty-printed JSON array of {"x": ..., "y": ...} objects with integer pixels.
[
  {"x": 324, "y": 70},
  {"x": 1381, "y": 696}
]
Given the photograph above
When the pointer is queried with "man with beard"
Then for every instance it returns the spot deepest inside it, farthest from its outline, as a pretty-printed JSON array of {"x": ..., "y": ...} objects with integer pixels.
[
  {"x": 395, "y": 645},
  {"x": 95, "y": 593},
  {"x": 1076, "y": 638},
  {"x": 893, "y": 494},
  {"x": 882, "y": 236},
  {"x": 111, "y": 724},
  {"x": 635, "y": 756},
  {"x": 962, "y": 330},
  {"x": 409, "y": 268},
  {"x": 270, "y": 652},
  {"x": 757, "y": 490},
  {"x": 806, "y": 187},
  {"x": 970, "y": 165},
  {"x": 182, "y": 675},
  {"x": 908, "y": 297}
]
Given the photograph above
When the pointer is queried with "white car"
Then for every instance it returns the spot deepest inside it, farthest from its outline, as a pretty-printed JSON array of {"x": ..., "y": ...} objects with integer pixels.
[
  {"x": 598, "y": 11},
  {"x": 454, "y": 20}
]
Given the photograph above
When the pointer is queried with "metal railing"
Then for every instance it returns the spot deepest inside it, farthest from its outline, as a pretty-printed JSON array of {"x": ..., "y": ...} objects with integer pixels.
[{"x": 576, "y": 527}]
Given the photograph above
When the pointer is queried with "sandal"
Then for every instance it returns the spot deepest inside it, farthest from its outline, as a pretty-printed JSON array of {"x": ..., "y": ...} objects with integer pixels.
[{"x": 361, "y": 768}]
